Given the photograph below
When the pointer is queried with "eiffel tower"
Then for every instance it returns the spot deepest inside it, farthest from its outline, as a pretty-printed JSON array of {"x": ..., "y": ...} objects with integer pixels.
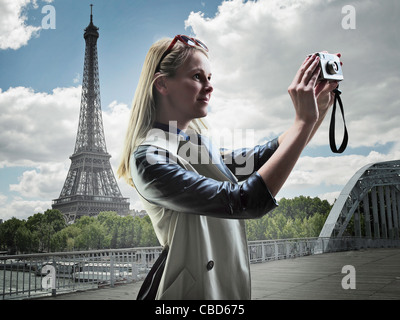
[{"x": 90, "y": 186}]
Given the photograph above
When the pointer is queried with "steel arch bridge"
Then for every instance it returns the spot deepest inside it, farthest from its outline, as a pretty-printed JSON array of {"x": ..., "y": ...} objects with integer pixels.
[{"x": 372, "y": 197}]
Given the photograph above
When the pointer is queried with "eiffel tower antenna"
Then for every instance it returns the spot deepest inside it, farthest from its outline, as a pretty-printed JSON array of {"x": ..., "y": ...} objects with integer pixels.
[{"x": 90, "y": 186}]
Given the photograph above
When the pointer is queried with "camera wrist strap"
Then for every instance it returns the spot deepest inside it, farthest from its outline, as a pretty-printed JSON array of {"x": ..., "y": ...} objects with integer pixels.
[{"x": 332, "y": 125}]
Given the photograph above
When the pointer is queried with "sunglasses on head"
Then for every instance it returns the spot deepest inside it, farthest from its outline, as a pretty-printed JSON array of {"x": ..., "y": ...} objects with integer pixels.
[{"x": 192, "y": 42}]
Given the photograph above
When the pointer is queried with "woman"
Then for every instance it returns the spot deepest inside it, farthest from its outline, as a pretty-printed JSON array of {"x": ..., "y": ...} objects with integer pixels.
[{"x": 197, "y": 207}]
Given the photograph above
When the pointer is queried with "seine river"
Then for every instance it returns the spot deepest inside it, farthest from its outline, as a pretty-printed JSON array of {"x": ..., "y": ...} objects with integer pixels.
[{"x": 14, "y": 284}]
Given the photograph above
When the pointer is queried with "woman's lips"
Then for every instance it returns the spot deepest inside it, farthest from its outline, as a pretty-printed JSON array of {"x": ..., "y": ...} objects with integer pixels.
[{"x": 204, "y": 99}]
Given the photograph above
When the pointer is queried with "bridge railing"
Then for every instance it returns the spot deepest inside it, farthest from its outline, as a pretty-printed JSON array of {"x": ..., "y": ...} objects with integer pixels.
[
  {"x": 267, "y": 250},
  {"x": 31, "y": 275}
]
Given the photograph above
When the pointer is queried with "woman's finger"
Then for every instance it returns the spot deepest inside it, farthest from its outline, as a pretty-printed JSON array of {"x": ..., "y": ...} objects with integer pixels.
[
  {"x": 312, "y": 71},
  {"x": 300, "y": 73}
]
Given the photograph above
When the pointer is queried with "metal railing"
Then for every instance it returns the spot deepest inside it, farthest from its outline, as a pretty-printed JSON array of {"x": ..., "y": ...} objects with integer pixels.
[
  {"x": 267, "y": 250},
  {"x": 31, "y": 275}
]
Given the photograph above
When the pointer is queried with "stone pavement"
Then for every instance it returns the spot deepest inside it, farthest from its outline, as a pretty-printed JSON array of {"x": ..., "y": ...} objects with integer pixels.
[{"x": 377, "y": 276}]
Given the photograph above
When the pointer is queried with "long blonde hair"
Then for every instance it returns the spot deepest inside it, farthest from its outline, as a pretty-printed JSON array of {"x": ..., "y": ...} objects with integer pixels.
[{"x": 143, "y": 110}]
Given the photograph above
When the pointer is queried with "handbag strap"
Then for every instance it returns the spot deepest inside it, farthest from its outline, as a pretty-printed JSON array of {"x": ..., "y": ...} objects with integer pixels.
[
  {"x": 332, "y": 125},
  {"x": 149, "y": 288}
]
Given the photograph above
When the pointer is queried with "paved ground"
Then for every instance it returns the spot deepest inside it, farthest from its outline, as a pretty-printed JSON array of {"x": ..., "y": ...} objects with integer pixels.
[{"x": 377, "y": 276}]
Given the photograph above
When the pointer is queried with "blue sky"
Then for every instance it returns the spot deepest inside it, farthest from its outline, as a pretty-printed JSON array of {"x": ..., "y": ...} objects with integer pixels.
[
  {"x": 127, "y": 29},
  {"x": 256, "y": 48}
]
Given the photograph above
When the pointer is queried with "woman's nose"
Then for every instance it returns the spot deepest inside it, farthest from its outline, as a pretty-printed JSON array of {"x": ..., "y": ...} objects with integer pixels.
[{"x": 208, "y": 87}]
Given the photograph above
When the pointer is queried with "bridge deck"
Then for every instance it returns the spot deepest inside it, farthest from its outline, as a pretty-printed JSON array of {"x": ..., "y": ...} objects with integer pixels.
[{"x": 377, "y": 276}]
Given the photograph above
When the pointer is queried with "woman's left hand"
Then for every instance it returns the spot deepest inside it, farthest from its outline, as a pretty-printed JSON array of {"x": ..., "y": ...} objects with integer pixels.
[{"x": 325, "y": 95}]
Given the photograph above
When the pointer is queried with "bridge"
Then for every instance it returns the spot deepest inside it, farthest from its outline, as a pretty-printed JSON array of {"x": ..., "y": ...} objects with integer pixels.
[
  {"x": 356, "y": 256},
  {"x": 372, "y": 196},
  {"x": 316, "y": 277}
]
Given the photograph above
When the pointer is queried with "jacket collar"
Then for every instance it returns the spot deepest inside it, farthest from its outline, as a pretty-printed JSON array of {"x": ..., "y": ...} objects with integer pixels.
[
  {"x": 172, "y": 139},
  {"x": 171, "y": 128}
]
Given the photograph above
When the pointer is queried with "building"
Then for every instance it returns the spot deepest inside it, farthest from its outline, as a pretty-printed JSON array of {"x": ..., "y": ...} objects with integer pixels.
[{"x": 90, "y": 186}]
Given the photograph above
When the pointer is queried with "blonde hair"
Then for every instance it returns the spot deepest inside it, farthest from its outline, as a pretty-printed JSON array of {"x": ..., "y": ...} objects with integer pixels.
[{"x": 143, "y": 110}]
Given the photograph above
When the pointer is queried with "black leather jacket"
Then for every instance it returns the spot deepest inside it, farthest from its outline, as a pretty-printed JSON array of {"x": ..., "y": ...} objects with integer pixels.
[{"x": 161, "y": 180}]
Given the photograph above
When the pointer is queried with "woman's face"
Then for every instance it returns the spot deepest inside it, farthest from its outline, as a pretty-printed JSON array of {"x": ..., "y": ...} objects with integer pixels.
[{"x": 189, "y": 91}]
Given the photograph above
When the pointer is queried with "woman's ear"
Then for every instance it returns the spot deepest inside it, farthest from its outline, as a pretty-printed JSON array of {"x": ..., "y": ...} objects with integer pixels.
[{"x": 160, "y": 83}]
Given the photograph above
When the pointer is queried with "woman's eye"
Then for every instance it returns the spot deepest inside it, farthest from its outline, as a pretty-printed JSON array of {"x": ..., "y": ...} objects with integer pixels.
[{"x": 197, "y": 76}]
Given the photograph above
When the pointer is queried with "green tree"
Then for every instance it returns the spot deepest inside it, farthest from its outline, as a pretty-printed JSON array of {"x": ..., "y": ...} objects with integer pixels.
[
  {"x": 148, "y": 236},
  {"x": 23, "y": 238},
  {"x": 126, "y": 239},
  {"x": 301, "y": 207},
  {"x": 9, "y": 232},
  {"x": 110, "y": 222},
  {"x": 255, "y": 228},
  {"x": 64, "y": 240},
  {"x": 43, "y": 226},
  {"x": 92, "y": 235},
  {"x": 294, "y": 218}
]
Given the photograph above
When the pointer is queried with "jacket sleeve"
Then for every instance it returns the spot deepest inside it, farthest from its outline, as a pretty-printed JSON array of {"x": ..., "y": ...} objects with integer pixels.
[
  {"x": 162, "y": 181},
  {"x": 244, "y": 162}
]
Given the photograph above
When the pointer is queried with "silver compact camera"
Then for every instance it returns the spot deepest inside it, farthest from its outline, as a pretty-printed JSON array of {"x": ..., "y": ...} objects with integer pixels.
[{"x": 331, "y": 68}]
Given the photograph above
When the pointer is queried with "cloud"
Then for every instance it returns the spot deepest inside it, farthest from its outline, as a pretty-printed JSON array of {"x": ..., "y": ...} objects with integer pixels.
[
  {"x": 115, "y": 120},
  {"x": 14, "y": 33},
  {"x": 77, "y": 78},
  {"x": 311, "y": 171},
  {"x": 42, "y": 181},
  {"x": 331, "y": 172},
  {"x": 20, "y": 208},
  {"x": 41, "y": 128},
  {"x": 37, "y": 127},
  {"x": 39, "y": 132},
  {"x": 256, "y": 48}
]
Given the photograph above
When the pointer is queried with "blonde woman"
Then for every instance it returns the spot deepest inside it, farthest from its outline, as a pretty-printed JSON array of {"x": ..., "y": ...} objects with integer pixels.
[{"x": 197, "y": 207}]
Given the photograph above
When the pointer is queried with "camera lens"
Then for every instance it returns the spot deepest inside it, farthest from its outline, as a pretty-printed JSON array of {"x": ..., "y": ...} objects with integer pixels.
[{"x": 332, "y": 67}]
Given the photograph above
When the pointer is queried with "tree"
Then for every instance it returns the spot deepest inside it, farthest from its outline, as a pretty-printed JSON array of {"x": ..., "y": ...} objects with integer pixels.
[
  {"x": 43, "y": 226},
  {"x": 23, "y": 238},
  {"x": 300, "y": 217},
  {"x": 92, "y": 235},
  {"x": 64, "y": 240},
  {"x": 255, "y": 228},
  {"x": 9, "y": 232},
  {"x": 302, "y": 207},
  {"x": 148, "y": 236}
]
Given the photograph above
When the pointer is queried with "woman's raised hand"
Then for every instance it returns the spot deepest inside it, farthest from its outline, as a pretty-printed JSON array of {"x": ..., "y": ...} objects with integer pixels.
[{"x": 302, "y": 91}]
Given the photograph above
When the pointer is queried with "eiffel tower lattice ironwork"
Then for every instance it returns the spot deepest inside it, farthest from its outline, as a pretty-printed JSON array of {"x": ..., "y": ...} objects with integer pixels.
[{"x": 90, "y": 186}]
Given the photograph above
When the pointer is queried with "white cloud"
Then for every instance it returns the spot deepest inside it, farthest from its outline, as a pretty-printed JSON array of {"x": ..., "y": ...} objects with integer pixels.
[
  {"x": 77, "y": 78},
  {"x": 14, "y": 33},
  {"x": 39, "y": 132},
  {"x": 256, "y": 48},
  {"x": 42, "y": 182},
  {"x": 115, "y": 119},
  {"x": 20, "y": 208},
  {"x": 314, "y": 171},
  {"x": 3, "y": 199},
  {"x": 331, "y": 197},
  {"x": 37, "y": 127},
  {"x": 312, "y": 175}
]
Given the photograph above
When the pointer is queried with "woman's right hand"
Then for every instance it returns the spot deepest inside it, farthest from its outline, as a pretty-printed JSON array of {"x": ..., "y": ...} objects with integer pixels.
[{"x": 302, "y": 91}]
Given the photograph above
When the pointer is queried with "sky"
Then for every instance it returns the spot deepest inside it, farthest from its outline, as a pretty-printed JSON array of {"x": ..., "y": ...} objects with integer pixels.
[{"x": 256, "y": 48}]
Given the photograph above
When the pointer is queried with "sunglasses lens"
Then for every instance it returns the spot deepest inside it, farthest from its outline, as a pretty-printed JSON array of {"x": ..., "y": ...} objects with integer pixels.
[
  {"x": 188, "y": 41},
  {"x": 202, "y": 44}
]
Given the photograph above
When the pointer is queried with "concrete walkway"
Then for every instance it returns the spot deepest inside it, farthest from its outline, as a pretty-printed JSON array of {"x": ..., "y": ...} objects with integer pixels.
[{"x": 377, "y": 276}]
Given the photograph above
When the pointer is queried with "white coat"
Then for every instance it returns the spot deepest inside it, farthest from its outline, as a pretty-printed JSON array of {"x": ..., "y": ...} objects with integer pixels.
[{"x": 208, "y": 256}]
